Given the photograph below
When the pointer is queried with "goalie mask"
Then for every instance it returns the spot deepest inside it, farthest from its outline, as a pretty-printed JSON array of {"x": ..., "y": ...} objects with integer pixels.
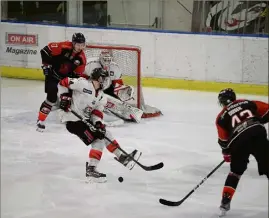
[
  {"x": 105, "y": 59},
  {"x": 98, "y": 74}
]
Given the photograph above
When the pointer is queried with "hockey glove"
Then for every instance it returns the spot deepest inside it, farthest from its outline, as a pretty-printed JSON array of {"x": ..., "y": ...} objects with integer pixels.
[
  {"x": 46, "y": 69},
  {"x": 100, "y": 130},
  {"x": 65, "y": 101},
  {"x": 226, "y": 156}
]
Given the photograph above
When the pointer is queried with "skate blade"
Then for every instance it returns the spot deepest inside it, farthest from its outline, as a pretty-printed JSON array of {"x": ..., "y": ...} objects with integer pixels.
[
  {"x": 131, "y": 164},
  {"x": 222, "y": 213},
  {"x": 96, "y": 180},
  {"x": 40, "y": 130}
]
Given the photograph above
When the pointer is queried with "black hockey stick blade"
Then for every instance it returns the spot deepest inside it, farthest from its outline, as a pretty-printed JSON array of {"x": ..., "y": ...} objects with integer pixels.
[
  {"x": 177, "y": 203},
  {"x": 153, "y": 167},
  {"x": 146, "y": 168},
  {"x": 170, "y": 203}
]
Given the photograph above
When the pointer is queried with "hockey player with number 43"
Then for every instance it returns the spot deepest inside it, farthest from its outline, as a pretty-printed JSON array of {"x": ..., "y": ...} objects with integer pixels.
[
  {"x": 241, "y": 133},
  {"x": 86, "y": 98},
  {"x": 117, "y": 93}
]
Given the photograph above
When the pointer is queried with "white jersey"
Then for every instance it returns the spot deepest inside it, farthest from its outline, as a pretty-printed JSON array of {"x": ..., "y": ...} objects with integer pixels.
[
  {"x": 85, "y": 100},
  {"x": 113, "y": 69}
]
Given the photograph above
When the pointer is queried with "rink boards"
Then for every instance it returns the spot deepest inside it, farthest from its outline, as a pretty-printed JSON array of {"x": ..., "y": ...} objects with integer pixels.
[
  {"x": 169, "y": 59},
  {"x": 37, "y": 74}
]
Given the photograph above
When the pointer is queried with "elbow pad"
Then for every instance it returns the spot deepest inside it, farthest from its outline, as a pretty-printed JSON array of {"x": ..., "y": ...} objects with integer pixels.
[{"x": 46, "y": 55}]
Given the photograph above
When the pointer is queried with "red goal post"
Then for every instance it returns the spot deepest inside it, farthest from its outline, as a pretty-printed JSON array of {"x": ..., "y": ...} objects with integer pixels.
[{"x": 128, "y": 57}]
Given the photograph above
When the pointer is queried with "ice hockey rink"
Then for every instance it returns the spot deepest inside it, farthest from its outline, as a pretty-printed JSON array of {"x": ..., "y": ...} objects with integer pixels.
[{"x": 43, "y": 174}]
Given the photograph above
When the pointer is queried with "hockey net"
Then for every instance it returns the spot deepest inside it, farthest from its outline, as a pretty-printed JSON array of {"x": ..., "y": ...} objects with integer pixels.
[{"x": 129, "y": 60}]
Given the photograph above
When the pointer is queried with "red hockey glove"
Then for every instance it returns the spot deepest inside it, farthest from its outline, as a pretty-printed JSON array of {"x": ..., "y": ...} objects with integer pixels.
[{"x": 226, "y": 157}]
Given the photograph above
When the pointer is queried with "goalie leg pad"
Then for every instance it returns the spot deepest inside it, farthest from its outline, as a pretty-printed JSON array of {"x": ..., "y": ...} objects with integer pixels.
[{"x": 123, "y": 110}]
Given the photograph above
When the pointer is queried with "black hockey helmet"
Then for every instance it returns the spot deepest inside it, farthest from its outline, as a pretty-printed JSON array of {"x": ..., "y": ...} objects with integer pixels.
[
  {"x": 97, "y": 73},
  {"x": 226, "y": 96},
  {"x": 78, "y": 38}
]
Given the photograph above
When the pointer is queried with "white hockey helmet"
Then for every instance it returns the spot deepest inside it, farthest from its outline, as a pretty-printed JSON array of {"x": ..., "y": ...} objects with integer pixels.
[{"x": 105, "y": 58}]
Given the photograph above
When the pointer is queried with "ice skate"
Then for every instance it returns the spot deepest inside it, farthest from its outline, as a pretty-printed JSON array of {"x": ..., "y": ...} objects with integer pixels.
[
  {"x": 225, "y": 205},
  {"x": 127, "y": 161},
  {"x": 40, "y": 126},
  {"x": 93, "y": 176}
]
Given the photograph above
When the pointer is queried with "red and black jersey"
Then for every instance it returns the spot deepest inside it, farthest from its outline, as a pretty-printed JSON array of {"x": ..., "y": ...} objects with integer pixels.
[
  {"x": 63, "y": 59},
  {"x": 239, "y": 116}
]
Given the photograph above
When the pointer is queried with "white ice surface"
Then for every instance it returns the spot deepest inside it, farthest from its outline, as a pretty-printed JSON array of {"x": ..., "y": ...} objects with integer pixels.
[{"x": 42, "y": 174}]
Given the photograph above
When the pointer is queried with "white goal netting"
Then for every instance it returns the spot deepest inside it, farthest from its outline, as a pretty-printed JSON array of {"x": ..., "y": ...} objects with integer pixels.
[{"x": 129, "y": 60}]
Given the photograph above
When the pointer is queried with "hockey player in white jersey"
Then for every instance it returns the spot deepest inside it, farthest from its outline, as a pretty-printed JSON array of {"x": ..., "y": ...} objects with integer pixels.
[
  {"x": 117, "y": 93},
  {"x": 86, "y": 98}
]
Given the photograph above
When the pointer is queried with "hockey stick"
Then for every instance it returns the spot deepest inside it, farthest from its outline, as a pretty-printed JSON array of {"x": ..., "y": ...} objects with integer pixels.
[
  {"x": 177, "y": 203},
  {"x": 146, "y": 168}
]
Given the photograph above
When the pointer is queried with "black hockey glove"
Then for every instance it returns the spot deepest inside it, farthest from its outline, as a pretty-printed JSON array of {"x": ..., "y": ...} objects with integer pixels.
[
  {"x": 46, "y": 69},
  {"x": 100, "y": 130},
  {"x": 65, "y": 101}
]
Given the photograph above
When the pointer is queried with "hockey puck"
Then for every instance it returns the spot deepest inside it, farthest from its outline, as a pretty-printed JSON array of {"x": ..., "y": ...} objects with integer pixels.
[{"x": 120, "y": 179}]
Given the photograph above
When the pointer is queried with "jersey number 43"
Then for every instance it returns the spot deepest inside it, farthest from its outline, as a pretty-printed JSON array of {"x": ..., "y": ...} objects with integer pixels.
[{"x": 238, "y": 118}]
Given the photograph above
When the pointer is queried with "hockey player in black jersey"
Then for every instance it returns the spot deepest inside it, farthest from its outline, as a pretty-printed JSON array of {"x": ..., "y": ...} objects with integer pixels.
[{"x": 241, "y": 133}]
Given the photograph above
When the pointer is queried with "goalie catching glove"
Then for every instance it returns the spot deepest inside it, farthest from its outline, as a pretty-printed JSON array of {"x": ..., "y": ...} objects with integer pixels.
[
  {"x": 124, "y": 92},
  {"x": 123, "y": 110}
]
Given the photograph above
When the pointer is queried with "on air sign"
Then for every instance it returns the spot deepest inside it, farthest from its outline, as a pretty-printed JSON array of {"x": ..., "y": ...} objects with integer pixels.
[{"x": 21, "y": 39}]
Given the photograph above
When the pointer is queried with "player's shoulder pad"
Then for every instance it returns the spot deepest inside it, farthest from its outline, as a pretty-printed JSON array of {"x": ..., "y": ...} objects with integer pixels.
[
  {"x": 56, "y": 47},
  {"x": 66, "y": 45},
  {"x": 78, "y": 82},
  {"x": 258, "y": 103},
  {"x": 87, "y": 86},
  {"x": 261, "y": 105},
  {"x": 219, "y": 116},
  {"x": 73, "y": 80},
  {"x": 82, "y": 79}
]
